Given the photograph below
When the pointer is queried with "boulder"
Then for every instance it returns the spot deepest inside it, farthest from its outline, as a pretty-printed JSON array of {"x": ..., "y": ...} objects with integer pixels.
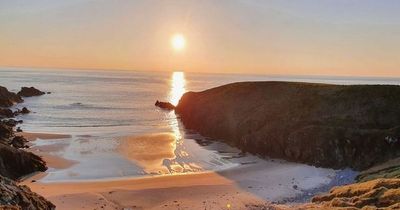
[
  {"x": 14, "y": 196},
  {"x": 324, "y": 125},
  {"x": 8, "y": 98},
  {"x": 165, "y": 105},
  {"x": 30, "y": 91}
]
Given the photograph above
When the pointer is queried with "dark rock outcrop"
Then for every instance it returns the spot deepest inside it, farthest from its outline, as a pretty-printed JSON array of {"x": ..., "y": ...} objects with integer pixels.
[
  {"x": 11, "y": 122},
  {"x": 165, "y": 105},
  {"x": 25, "y": 110},
  {"x": 6, "y": 132},
  {"x": 15, "y": 163},
  {"x": 6, "y": 113},
  {"x": 19, "y": 142},
  {"x": 334, "y": 126},
  {"x": 30, "y": 91},
  {"x": 15, "y": 196},
  {"x": 8, "y": 98}
]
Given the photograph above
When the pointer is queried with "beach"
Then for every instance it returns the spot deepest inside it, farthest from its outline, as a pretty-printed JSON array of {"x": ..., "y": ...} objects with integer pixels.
[
  {"x": 254, "y": 183},
  {"x": 110, "y": 147}
]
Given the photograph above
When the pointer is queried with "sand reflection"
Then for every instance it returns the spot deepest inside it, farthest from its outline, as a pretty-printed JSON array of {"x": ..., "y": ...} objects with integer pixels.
[{"x": 150, "y": 151}]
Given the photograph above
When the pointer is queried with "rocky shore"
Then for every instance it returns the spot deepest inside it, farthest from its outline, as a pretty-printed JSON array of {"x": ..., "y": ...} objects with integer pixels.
[
  {"x": 15, "y": 161},
  {"x": 334, "y": 126}
]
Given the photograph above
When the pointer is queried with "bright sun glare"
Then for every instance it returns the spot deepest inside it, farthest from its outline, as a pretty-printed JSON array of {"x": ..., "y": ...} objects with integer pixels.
[
  {"x": 178, "y": 42},
  {"x": 178, "y": 84}
]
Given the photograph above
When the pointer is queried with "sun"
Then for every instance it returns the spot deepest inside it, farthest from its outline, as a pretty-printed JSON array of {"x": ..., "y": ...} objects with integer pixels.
[{"x": 178, "y": 42}]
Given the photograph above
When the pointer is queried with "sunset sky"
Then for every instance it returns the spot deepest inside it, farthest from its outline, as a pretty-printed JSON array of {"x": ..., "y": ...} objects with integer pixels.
[{"x": 300, "y": 37}]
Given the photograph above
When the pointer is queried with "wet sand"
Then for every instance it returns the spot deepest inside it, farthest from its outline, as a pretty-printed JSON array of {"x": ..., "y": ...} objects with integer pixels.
[
  {"x": 240, "y": 187},
  {"x": 33, "y": 136},
  {"x": 149, "y": 151},
  {"x": 52, "y": 161}
]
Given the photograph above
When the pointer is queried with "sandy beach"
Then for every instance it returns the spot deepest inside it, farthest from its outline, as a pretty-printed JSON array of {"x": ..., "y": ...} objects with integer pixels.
[{"x": 243, "y": 187}]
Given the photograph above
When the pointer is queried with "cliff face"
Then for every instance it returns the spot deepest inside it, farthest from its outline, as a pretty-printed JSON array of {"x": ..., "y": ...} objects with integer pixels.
[{"x": 324, "y": 125}]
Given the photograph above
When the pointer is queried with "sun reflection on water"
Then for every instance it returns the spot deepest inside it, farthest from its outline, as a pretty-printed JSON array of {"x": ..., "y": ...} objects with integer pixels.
[
  {"x": 178, "y": 84},
  {"x": 178, "y": 88}
]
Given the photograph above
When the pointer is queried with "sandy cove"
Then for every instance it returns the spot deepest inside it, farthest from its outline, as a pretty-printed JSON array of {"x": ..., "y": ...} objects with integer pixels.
[
  {"x": 237, "y": 188},
  {"x": 243, "y": 187}
]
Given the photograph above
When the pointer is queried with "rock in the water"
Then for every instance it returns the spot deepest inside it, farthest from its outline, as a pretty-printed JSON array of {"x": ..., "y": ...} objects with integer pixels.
[
  {"x": 165, "y": 105},
  {"x": 8, "y": 98},
  {"x": 14, "y": 196},
  {"x": 30, "y": 91},
  {"x": 334, "y": 126},
  {"x": 25, "y": 110}
]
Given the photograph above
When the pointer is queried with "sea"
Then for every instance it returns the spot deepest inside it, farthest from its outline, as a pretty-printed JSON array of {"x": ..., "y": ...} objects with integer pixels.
[{"x": 117, "y": 131}]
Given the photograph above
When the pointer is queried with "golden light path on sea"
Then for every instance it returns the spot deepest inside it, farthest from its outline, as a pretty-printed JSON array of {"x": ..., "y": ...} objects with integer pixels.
[{"x": 178, "y": 88}]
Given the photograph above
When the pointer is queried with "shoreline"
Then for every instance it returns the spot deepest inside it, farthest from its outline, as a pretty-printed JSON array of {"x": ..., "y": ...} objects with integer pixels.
[
  {"x": 256, "y": 184},
  {"x": 33, "y": 136},
  {"x": 235, "y": 187}
]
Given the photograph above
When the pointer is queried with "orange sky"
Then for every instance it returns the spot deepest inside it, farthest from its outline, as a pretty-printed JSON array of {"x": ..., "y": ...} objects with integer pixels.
[{"x": 308, "y": 37}]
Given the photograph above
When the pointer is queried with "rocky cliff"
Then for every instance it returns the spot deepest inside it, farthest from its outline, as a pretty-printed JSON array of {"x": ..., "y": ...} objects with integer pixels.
[
  {"x": 15, "y": 162},
  {"x": 333, "y": 126}
]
